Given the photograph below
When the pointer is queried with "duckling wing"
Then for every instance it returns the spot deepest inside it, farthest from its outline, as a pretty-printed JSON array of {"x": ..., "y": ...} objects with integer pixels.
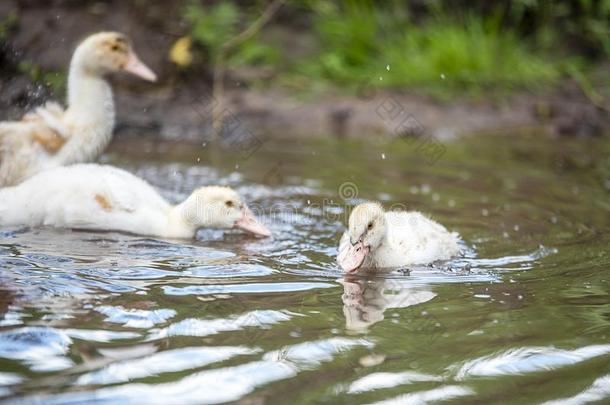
[
  {"x": 126, "y": 191},
  {"x": 113, "y": 199},
  {"x": 25, "y": 145},
  {"x": 24, "y": 148},
  {"x": 419, "y": 239},
  {"x": 19, "y": 152},
  {"x": 51, "y": 115}
]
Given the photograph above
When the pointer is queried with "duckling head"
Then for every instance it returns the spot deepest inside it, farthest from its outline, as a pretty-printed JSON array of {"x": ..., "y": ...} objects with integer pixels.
[
  {"x": 367, "y": 228},
  {"x": 221, "y": 207},
  {"x": 107, "y": 52}
]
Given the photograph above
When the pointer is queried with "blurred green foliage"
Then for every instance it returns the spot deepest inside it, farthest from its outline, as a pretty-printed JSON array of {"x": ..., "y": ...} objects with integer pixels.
[
  {"x": 56, "y": 81},
  {"x": 213, "y": 26},
  {"x": 361, "y": 42},
  {"x": 7, "y": 24},
  {"x": 441, "y": 47},
  {"x": 582, "y": 25}
]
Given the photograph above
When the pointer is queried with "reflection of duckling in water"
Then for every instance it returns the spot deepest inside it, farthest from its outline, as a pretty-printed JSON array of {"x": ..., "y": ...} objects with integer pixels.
[{"x": 366, "y": 299}]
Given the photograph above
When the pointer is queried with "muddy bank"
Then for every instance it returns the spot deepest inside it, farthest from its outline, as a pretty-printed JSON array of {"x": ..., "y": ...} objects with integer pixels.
[{"x": 179, "y": 106}]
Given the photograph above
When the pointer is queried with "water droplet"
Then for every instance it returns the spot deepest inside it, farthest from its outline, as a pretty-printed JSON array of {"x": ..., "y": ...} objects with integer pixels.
[
  {"x": 387, "y": 67},
  {"x": 442, "y": 76},
  {"x": 383, "y": 156},
  {"x": 380, "y": 78}
]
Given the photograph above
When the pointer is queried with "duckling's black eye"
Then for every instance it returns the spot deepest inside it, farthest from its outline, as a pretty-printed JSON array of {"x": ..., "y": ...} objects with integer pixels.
[
  {"x": 229, "y": 203},
  {"x": 370, "y": 226},
  {"x": 115, "y": 47}
]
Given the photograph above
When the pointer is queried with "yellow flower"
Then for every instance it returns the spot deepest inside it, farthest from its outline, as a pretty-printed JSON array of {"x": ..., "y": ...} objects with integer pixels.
[{"x": 181, "y": 53}]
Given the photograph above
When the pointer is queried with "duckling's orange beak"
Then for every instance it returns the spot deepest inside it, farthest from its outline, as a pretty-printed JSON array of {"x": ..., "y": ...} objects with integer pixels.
[
  {"x": 135, "y": 66},
  {"x": 248, "y": 222},
  {"x": 351, "y": 257}
]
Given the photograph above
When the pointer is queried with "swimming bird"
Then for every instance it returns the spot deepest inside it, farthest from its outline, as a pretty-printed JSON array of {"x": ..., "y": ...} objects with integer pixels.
[
  {"x": 50, "y": 136},
  {"x": 376, "y": 239},
  {"x": 106, "y": 198}
]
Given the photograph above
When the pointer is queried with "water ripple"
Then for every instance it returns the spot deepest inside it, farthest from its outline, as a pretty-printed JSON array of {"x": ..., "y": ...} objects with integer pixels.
[
  {"x": 206, "y": 327},
  {"x": 135, "y": 318},
  {"x": 377, "y": 381},
  {"x": 309, "y": 355},
  {"x": 205, "y": 387},
  {"x": 99, "y": 335},
  {"x": 434, "y": 395},
  {"x": 244, "y": 288},
  {"x": 598, "y": 391},
  {"x": 163, "y": 362},
  {"x": 43, "y": 349},
  {"x": 528, "y": 360}
]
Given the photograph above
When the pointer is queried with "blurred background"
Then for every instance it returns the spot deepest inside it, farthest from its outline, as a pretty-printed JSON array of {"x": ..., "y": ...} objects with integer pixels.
[{"x": 313, "y": 66}]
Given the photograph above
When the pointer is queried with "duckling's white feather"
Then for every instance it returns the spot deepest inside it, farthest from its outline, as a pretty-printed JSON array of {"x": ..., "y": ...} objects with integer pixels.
[
  {"x": 411, "y": 238},
  {"x": 414, "y": 238},
  {"x": 90, "y": 196}
]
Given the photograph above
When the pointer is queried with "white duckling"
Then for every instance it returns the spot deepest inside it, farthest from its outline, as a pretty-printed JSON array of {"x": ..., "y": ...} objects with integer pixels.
[
  {"x": 51, "y": 136},
  {"x": 98, "y": 197},
  {"x": 377, "y": 239}
]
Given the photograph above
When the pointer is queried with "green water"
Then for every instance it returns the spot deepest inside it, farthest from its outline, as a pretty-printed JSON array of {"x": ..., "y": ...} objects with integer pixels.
[{"x": 522, "y": 317}]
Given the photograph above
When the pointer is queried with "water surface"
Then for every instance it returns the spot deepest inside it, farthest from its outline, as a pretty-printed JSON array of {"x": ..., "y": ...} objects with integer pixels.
[{"x": 522, "y": 317}]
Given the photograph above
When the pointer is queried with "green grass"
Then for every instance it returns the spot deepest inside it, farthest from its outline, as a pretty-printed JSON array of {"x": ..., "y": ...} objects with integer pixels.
[
  {"x": 360, "y": 43},
  {"x": 466, "y": 55},
  {"x": 443, "y": 55}
]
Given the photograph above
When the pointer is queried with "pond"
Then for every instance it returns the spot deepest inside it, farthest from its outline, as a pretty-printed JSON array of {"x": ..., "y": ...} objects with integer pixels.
[{"x": 523, "y": 315}]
